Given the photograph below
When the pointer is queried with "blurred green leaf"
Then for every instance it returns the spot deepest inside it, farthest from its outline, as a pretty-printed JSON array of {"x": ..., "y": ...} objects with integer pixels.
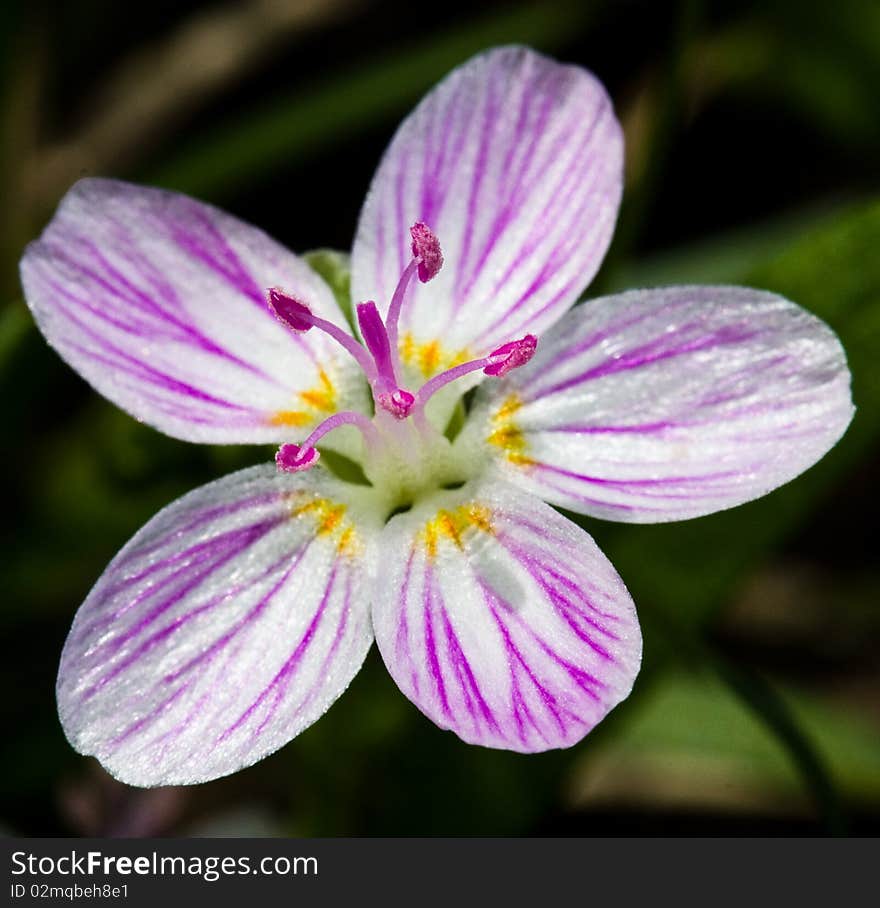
[
  {"x": 15, "y": 325},
  {"x": 819, "y": 61},
  {"x": 692, "y": 725},
  {"x": 289, "y": 127},
  {"x": 727, "y": 257},
  {"x": 765, "y": 703}
]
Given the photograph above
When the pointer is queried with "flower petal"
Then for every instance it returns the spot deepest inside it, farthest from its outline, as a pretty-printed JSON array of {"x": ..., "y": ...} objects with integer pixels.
[
  {"x": 502, "y": 620},
  {"x": 659, "y": 405},
  {"x": 225, "y": 627},
  {"x": 515, "y": 162},
  {"x": 160, "y": 302}
]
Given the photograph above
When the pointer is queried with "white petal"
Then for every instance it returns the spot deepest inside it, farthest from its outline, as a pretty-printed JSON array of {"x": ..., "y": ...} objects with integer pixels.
[
  {"x": 226, "y": 626},
  {"x": 159, "y": 301},
  {"x": 502, "y": 620},
  {"x": 515, "y": 161},
  {"x": 659, "y": 405}
]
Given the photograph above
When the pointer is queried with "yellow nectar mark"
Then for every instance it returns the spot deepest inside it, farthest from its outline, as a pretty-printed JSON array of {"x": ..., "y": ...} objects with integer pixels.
[
  {"x": 317, "y": 401},
  {"x": 330, "y": 520},
  {"x": 454, "y": 525},
  {"x": 430, "y": 357},
  {"x": 507, "y": 435}
]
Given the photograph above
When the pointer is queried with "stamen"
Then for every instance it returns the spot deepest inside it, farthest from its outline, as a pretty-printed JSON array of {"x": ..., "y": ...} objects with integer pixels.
[
  {"x": 380, "y": 360},
  {"x": 427, "y": 261},
  {"x": 511, "y": 355},
  {"x": 298, "y": 317},
  {"x": 426, "y": 251},
  {"x": 293, "y": 458},
  {"x": 396, "y": 305},
  {"x": 289, "y": 311},
  {"x": 498, "y": 363}
]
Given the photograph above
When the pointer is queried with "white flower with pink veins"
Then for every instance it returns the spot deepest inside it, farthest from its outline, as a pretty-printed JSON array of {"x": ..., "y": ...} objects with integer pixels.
[{"x": 236, "y": 616}]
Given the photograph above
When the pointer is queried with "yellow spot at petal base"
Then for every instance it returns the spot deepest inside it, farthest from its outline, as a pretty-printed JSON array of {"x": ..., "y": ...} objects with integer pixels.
[
  {"x": 455, "y": 525},
  {"x": 347, "y": 544},
  {"x": 509, "y": 408},
  {"x": 323, "y": 396},
  {"x": 329, "y": 518},
  {"x": 507, "y": 435},
  {"x": 317, "y": 402},
  {"x": 294, "y": 418},
  {"x": 430, "y": 357}
]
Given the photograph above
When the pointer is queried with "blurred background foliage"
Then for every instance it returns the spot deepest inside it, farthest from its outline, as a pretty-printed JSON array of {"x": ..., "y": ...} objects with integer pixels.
[{"x": 753, "y": 133}]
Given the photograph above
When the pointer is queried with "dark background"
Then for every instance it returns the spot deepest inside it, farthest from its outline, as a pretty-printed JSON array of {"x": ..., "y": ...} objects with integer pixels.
[{"x": 753, "y": 132}]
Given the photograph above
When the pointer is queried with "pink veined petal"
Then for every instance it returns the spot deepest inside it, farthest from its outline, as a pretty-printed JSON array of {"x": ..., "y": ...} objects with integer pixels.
[
  {"x": 225, "y": 627},
  {"x": 502, "y": 621},
  {"x": 658, "y": 405},
  {"x": 515, "y": 162},
  {"x": 159, "y": 301}
]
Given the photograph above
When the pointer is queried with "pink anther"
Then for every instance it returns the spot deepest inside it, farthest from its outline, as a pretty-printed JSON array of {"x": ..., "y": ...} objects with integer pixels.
[
  {"x": 294, "y": 459},
  {"x": 426, "y": 251},
  {"x": 511, "y": 355},
  {"x": 289, "y": 311}
]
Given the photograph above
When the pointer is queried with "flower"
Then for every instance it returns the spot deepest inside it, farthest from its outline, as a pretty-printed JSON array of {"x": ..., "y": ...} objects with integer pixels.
[{"x": 234, "y": 618}]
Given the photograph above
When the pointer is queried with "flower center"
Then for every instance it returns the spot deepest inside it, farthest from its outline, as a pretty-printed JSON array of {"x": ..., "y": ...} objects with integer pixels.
[{"x": 403, "y": 452}]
